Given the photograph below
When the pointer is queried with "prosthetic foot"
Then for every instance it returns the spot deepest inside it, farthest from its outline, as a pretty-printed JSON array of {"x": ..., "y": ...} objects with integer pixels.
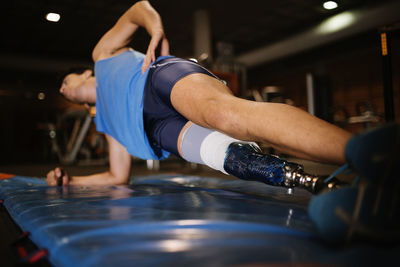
[
  {"x": 246, "y": 161},
  {"x": 369, "y": 210},
  {"x": 375, "y": 154},
  {"x": 366, "y": 211}
]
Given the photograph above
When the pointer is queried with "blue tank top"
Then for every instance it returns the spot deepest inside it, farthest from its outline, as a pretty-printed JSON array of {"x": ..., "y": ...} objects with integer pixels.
[{"x": 119, "y": 104}]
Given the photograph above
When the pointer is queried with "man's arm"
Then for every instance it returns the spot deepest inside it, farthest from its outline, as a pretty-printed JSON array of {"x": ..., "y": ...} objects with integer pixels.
[
  {"x": 116, "y": 40},
  {"x": 120, "y": 165}
]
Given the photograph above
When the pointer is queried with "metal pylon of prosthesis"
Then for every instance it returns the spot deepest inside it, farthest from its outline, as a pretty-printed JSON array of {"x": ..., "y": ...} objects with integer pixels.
[{"x": 294, "y": 176}]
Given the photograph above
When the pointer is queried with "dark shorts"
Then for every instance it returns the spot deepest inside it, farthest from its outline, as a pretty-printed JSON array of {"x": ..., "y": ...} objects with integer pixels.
[{"x": 162, "y": 122}]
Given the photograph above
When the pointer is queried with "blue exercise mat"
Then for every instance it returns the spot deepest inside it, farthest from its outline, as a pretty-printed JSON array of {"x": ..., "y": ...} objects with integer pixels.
[{"x": 173, "y": 221}]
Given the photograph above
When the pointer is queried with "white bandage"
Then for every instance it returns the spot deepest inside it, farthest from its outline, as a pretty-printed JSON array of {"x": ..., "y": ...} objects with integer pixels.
[
  {"x": 205, "y": 146},
  {"x": 213, "y": 150}
]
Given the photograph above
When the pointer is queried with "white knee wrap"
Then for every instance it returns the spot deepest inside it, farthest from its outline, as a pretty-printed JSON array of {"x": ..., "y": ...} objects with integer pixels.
[
  {"x": 205, "y": 146},
  {"x": 213, "y": 150}
]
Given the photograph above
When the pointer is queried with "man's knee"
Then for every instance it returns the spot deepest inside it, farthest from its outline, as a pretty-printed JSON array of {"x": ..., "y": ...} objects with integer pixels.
[{"x": 226, "y": 118}]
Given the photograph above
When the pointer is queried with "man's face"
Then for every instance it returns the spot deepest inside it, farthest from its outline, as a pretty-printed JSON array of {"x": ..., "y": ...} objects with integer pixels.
[{"x": 71, "y": 85}]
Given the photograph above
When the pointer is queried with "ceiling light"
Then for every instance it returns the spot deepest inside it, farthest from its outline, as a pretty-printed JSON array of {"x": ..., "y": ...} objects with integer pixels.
[
  {"x": 330, "y": 5},
  {"x": 53, "y": 17},
  {"x": 41, "y": 96},
  {"x": 337, "y": 22}
]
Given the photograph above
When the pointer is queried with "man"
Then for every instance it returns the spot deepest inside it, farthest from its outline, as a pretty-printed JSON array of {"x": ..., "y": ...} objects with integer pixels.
[{"x": 149, "y": 108}]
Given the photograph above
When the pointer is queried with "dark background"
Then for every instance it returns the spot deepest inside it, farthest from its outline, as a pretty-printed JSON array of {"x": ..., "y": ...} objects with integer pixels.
[{"x": 34, "y": 51}]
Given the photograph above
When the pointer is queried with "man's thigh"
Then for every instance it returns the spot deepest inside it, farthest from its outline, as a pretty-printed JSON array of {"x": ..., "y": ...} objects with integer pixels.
[{"x": 198, "y": 96}]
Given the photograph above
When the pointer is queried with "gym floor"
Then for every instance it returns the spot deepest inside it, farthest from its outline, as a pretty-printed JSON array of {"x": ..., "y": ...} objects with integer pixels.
[{"x": 10, "y": 232}]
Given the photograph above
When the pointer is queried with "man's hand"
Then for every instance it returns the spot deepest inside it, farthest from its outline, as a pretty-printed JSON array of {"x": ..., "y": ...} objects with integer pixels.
[
  {"x": 57, "y": 176},
  {"x": 158, "y": 39}
]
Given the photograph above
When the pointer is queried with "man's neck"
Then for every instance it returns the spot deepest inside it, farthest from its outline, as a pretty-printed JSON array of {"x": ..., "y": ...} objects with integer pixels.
[{"x": 90, "y": 88}]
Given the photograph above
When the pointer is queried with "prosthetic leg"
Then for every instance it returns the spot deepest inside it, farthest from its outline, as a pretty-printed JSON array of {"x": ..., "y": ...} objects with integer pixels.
[{"x": 246, "y": 161}]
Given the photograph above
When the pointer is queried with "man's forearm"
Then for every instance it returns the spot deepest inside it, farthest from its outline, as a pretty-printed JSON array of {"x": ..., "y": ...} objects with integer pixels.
[
  {"x": 141, "y": 14},
  {"x": 105, "y": 178},
  {"x": 144, "y": 15}
]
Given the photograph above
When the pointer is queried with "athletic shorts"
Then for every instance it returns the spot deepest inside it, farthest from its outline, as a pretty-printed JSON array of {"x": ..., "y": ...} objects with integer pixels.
[{"x": 162, "y": 122}]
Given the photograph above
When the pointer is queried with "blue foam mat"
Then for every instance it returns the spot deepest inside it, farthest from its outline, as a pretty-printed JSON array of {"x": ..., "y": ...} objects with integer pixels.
[{"x": 174, "y": 220}]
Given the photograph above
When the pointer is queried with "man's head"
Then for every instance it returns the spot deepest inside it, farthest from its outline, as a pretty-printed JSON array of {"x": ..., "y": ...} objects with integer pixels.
[{"x": 77, "y": 85}]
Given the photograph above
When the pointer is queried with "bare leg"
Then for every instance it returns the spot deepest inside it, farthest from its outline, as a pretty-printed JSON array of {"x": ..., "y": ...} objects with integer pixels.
[{"x": 209, "y": 103}]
